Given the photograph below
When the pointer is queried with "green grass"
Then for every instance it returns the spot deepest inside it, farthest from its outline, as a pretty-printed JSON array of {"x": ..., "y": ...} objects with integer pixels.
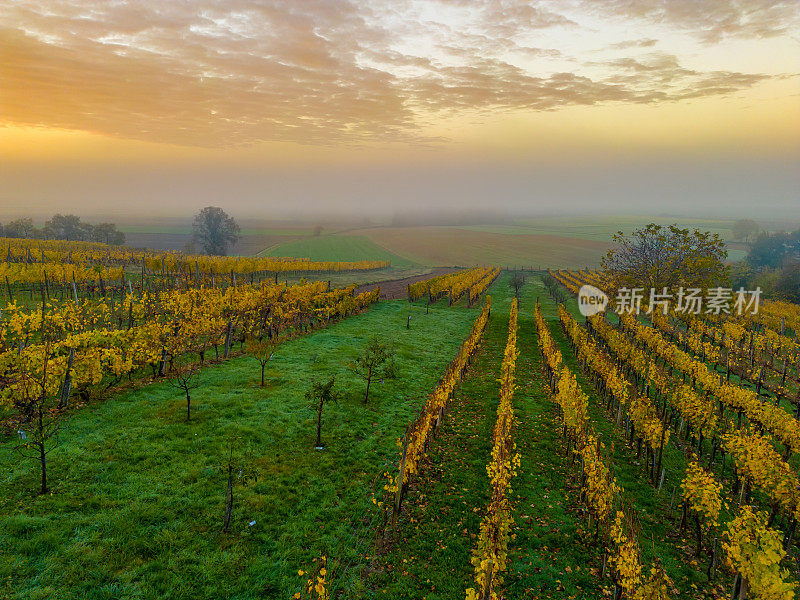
[
  {"x": 447, "y": 501},
  {"x": 602, "y": 227},
  {"x": 337, "y": 248},
  {"x": 660, "y": 537},
  {"x": 138, "y": 493},
  {"x": 656, "y": 513}
]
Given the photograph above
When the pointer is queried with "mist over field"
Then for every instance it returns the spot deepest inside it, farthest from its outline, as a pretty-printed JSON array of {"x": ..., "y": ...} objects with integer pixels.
[{"x": 432, "y": 194}]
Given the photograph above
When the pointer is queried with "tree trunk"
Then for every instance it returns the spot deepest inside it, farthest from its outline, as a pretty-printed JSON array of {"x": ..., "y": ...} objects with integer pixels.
[
  {"x": 188, "y": 406},
  {"x": 369, "y": 380},
  {"x": 66, "y": 388},
  {"x": 43, "y": 460},
  {"x": 699, "y": 532},
  {"x": 229, "y": 500},
  {"x": 42, "y": 454},
  {"x": 263, "y": 366},
  {"x": 319, "y": 424}
]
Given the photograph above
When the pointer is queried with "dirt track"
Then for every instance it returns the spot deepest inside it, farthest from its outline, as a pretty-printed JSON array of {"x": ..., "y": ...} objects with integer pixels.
[{"x": 396, "y": 288}]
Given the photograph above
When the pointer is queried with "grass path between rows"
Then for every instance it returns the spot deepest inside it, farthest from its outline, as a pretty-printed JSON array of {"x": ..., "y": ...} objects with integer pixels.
[
  {"x": 551, "y": 554},
  {"x": 437, "y": 531},
  {"x": 657, "y": 512}
]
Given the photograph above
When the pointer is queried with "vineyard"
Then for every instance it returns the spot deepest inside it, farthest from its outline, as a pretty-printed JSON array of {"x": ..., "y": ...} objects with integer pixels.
[
  {"x": 159, "y": 414},
  {"x": 47, "y": 269}
]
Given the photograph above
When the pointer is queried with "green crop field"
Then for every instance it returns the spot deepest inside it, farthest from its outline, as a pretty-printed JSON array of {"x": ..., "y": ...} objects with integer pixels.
[{"x": 337, "y": 248}]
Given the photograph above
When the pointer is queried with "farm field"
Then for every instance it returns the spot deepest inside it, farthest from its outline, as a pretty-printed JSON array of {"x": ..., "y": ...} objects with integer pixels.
[
  {"x": 137, "y": 497},
  {"x": 554, "y": 242},
  {"x": 420, "y": 300},
  {"x": 342, "y": 247},
  {"x": 545, "y": 241},
  {"x": 138, "y": 492},
  {"x": 451, "y": 246}
]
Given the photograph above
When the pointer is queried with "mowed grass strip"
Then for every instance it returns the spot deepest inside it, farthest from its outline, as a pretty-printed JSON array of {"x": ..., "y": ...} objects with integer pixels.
[
  {"x": 552, "y": 555},
  {"x": 337, "y": 248},
  {"x": 549, "y": 556},
  {"x": 657, "y": 513},
  {"x": 429, "y": 553},
  {"x": 138, "y": 493}
]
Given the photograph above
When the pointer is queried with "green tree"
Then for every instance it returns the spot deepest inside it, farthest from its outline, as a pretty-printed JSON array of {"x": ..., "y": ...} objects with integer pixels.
[
  {"x": 768, "y": 251},
  {"x": 214, "y": 231},
  {"x": 20, "y": 228},
  {"x": 744, "y": 229},
  {"x": 375, "y": 360},
  {"x": 107, "y": 233},
  {"x": 787, "y": 287},
  {"x": 319, "y": 394},
  {"x": 67, "y": 227},
  {"x": 658, "y": 257},
  {"x": 771, "y": 250}
]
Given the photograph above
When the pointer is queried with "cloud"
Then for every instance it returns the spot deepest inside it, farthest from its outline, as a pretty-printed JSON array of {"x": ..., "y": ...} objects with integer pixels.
[
  {"x": 642, "y": 43},
  {"x": 219, "y": 73},
  {"x": 710, "y": 21}
]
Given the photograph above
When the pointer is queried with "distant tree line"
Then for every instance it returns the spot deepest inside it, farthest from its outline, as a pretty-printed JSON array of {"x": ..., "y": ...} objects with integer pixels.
[
  {"x": 774, "y": 250},
  {"x": 773, "y": 264},
  {"x": 64, "y": 227}
]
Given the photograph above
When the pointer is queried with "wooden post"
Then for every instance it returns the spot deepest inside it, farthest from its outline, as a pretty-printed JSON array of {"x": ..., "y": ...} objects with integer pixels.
[
  {"x": 228, "y": 332},
  {"x": 398, "y": 497},
  {"x": 163, "y": 369},
  {"x": 66, "y": 387},
  {"x": 486, "y": 592}
]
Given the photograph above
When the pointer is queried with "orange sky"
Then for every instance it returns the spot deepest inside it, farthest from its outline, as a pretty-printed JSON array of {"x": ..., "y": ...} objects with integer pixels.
[{"x": 352, "y": 85}]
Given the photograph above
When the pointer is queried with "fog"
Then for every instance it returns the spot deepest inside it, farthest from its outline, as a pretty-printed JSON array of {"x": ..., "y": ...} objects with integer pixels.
[{"x": 406, "y": 193}]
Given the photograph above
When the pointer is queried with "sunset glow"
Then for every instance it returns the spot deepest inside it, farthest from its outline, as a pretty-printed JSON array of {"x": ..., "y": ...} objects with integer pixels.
[{"x": 318, "y": 84}]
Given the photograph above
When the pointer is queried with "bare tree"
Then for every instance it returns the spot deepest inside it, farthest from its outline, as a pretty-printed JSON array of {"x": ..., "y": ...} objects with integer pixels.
[
  {"x": 43, "y": 418},
  {"x": 321, "y": 393},
  {"x": 377, "y": 359},
  {"x": 260, "y": 350},
  {"x": 243, "y": 472},
  {"x": 516, "y": 282},
  {"x": 186, "y": 380}
]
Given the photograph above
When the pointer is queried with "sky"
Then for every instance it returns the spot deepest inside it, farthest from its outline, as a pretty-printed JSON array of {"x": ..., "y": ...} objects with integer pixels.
[{"x": 273, "y": 108}]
